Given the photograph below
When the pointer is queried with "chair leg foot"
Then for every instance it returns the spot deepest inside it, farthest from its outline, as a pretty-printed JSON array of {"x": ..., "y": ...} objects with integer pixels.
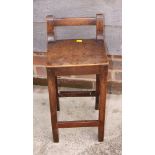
[
  {"x": 100, "y": 139},
  {"x": 56, "y": 139}
]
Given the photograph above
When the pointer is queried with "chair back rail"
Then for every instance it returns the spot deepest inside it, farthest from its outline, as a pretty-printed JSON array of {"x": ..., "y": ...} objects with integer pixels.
[{"x": 52, "y": 22}]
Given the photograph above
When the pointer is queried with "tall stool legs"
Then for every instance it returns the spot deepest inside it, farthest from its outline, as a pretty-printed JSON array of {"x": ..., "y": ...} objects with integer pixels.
[{"x": 100, "y": 102}]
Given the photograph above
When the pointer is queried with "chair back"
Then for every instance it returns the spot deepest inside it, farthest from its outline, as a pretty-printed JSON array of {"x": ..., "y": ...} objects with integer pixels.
[{"x": 53, "y": 22}]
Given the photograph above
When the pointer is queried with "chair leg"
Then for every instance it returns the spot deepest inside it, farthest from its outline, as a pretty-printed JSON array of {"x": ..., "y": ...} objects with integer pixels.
[
  {"x": 53, "y": 103},
  {"x": 97, "y": 92},
  {"x": 102, "y": 102},
  {"x": 58, "y": 105}
]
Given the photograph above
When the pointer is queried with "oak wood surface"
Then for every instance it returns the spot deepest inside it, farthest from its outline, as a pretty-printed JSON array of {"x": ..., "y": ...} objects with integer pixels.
[
  {"x": 53, "y": 103},
  {"x": 77, "y": 70},
  {"x": 73, "y": 124},
  {"x": 74, "y": 21},
  {"x": 71, "y": 53},
  {"x": 77, "y": 93},
  {"x": 102, "y": 102},
  {"x": 50, "y": 28},
  {"x": 99, "y": 27}
]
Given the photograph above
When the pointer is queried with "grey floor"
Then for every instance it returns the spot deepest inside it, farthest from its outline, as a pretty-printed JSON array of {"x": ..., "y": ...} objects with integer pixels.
[{"x": 76, "y": 141}]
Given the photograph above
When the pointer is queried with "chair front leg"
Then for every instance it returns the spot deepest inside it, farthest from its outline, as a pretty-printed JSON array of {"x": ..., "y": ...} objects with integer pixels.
[
  {"x": 102, "y": 102},
  {"x": 53, "y": 103}
]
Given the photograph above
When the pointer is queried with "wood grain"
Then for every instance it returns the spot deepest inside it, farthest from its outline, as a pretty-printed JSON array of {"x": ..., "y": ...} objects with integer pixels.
[
  {"x": 73, "y": 124},
  {"x": 77, "y": 93},
  {"x": 102, "y": 102},
  {"x": 99, "y": 27},
  {"x": 65, "y": 53},
  {"x": 50, "y": 28},
  {"x": 74, "y": 21},
  {"x": 53, "y": 104}
]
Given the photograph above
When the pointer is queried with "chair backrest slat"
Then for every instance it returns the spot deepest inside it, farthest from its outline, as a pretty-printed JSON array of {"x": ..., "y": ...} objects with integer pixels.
[
  {"x": 74, "y": 21},
  {"x": 52, "y": 22}
]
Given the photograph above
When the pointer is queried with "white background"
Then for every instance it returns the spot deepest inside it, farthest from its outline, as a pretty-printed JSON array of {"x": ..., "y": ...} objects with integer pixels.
[{"x": 16, "y": 75}]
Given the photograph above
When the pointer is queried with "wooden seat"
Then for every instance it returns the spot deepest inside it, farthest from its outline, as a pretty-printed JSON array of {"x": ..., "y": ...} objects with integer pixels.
[
  {"x": 77, "y": 57},
  {"x": 68, "y": 53}
]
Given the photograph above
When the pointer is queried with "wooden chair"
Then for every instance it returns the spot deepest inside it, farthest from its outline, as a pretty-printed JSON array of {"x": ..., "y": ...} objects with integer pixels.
[{"x": 76, "y": 57}]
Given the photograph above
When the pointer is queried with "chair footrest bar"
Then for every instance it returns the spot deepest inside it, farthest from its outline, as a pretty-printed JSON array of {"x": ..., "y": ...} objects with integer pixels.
[
  {"x": 77, "y": 93},
  {"x": 72, "y": 124}
]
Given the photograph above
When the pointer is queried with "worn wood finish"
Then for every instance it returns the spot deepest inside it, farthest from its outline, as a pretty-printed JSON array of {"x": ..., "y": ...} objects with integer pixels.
[
  {"x": 99, "y": 27},
  {"x": 53, "y": 103},
  {"x": 68, "y": 57},
  {"x": 77, "y": 70},
  {"x": 73, "y": 124},
  {"x": 74, "y": 21},
  {"x": 50, "y": 28},
  {"x": 68, "y": 53},
  {"x": 77, "y": 93},
  {"x": 102, "y": 102},
  {"x": 97, "y": 92}
]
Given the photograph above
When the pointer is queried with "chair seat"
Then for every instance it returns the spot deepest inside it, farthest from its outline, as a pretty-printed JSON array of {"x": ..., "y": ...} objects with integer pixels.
[{"x": 69, "y": 53}]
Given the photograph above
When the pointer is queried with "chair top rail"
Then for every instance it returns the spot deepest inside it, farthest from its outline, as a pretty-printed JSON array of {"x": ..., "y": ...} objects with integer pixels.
[{"x": 73, "y": 21}]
